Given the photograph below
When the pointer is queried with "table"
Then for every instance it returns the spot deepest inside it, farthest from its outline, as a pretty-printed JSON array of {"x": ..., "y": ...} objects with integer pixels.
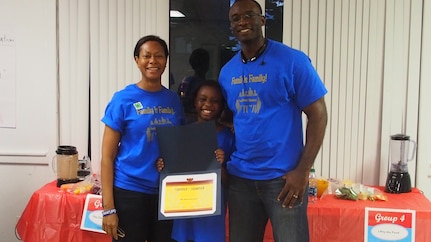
[
  {"x": 335, "y": 220},
  {"x": 52, "y": 215}
]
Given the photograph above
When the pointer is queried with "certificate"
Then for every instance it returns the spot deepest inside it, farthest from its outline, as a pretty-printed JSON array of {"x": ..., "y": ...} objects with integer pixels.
[
  {"x": 189, "y": 195},
  {"x": 190, "y": 182}
]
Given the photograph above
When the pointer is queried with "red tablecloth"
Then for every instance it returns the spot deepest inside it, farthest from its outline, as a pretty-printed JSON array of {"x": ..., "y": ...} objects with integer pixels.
[
  {"x": 335, "y": 220},
  {"x": 52, "y": 216}
]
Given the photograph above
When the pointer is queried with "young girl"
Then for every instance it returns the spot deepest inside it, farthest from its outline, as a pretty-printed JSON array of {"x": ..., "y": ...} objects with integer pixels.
[{"x": 209, "y": 104}]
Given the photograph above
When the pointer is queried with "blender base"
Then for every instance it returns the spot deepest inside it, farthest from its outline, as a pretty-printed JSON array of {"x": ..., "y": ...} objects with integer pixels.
[
  {"x": 66, "y": 181},
  {"x": 398, "y": 182}
]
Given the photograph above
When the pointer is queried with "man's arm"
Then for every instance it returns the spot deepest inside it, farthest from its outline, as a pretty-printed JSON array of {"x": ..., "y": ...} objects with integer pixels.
[
  {"x": 297, "y": 179},
  {"x": 315, "y": 132}
]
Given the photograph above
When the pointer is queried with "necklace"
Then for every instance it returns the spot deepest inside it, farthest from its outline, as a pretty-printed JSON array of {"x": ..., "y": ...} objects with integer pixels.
[{"x": 258, "y": 53}]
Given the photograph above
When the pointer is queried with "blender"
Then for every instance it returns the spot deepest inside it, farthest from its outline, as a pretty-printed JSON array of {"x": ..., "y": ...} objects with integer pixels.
[
  {"x": 65, "y": 164},
  {"x": 398, "y": 180}
]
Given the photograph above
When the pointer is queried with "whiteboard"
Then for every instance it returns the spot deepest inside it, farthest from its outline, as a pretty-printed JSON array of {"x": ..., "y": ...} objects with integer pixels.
[{"x": 28, "y": 68}]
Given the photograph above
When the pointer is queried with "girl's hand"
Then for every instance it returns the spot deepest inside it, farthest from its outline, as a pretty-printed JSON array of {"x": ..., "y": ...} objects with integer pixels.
[
  {"x": 219, "y": 155},
  {"x": 160, "y": 164}
]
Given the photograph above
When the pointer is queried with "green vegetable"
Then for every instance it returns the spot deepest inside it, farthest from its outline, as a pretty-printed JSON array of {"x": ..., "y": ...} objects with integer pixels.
[{"x": 346, "y": 193}]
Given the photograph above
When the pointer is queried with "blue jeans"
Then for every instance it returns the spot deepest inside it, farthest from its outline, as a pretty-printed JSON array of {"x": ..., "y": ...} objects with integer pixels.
[{"x": 251, "y": 203}]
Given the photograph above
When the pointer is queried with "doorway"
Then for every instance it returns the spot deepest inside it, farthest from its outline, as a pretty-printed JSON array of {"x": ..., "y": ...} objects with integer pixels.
[{"x": 205, "y": 24}]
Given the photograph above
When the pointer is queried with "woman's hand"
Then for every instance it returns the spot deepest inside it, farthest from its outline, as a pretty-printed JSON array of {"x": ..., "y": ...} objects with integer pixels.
[{"x": 110, "y": 225}]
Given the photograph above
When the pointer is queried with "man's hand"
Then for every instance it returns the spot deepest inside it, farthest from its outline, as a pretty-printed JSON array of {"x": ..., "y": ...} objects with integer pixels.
[{"x": 294, "y": 188}]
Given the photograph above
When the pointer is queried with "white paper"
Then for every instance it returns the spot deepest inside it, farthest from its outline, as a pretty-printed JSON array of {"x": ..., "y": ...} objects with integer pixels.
[{"x": 7, "y": 80}]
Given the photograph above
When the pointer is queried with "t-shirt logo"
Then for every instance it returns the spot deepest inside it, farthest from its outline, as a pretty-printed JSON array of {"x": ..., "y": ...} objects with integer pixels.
[{"x": 138, "y": 106}]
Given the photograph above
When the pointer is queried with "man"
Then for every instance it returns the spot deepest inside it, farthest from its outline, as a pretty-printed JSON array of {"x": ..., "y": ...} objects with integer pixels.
[{"x": 268, "y": 86}]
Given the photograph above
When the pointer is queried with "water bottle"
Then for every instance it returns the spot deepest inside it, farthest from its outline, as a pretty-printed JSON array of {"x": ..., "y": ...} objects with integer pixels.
[{"x": 312, "y": 186}]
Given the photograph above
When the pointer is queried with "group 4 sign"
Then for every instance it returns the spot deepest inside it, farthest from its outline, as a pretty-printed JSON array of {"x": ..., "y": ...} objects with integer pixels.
[{"x": 382, "y": 224}]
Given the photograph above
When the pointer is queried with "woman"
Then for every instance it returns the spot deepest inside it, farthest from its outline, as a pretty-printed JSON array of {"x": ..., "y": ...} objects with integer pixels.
[{"x": 129, "y": 148}]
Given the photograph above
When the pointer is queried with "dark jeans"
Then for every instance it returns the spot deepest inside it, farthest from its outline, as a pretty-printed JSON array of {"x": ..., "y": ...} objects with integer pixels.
[
  {"x": 251, "y": 203},
  {"x": 137, "y": 213}
]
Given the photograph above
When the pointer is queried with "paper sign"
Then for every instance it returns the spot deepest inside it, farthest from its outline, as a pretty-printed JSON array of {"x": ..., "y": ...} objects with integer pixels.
[
  {"x": 7, "y": 79},
  {"x": 92, "y": 214},
  {"x": 383, "y": 224}
]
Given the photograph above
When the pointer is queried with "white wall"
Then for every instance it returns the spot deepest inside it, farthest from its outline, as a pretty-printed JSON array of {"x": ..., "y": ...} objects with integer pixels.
[
  {"x": 350, "y": 42},
  {"x": 423, "y": 153},
  {"x": 372, "y": 57},
  {"x": 26, "y": 149}
]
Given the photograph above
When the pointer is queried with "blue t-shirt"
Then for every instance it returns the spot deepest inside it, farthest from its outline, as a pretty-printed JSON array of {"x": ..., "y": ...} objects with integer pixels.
[
  {"x": 267, "y": 97},
  {"x": 136, "y": 113}
]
